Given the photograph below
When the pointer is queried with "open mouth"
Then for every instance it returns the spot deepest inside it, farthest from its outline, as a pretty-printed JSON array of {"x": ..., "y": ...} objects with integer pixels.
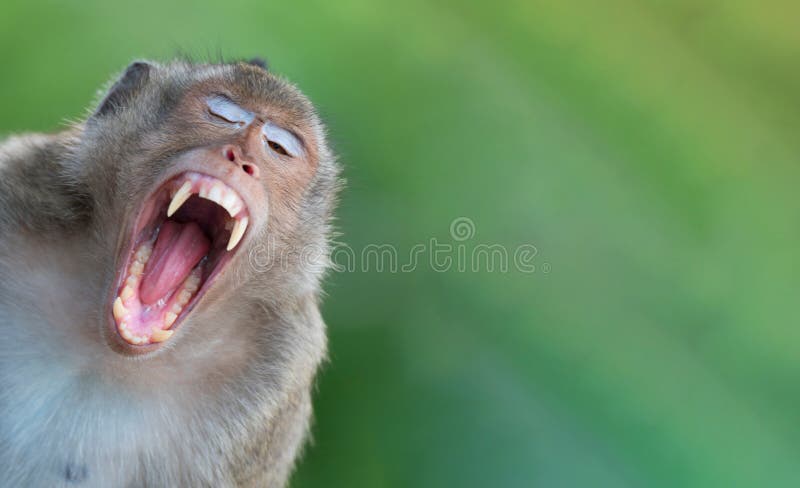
[{"x": 185, "y": 234}]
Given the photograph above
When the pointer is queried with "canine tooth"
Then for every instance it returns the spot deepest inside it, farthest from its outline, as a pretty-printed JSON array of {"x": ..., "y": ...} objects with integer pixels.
[
  {"x": 119, "y": 309},
  {"x": 180, "y": 198},
  {"x": 127, "y": 292},
  {"x": 159, "y": 335},
  {"x": 238, "y": 232},
  {"x": 169, "y": 319}
]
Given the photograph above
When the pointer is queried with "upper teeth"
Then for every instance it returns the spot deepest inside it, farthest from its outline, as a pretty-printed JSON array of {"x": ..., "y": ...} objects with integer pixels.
[
  {"x": 180, "y": 198},
  {"x": 238, "y": 231},
  {"x": 219, "y": 193}
]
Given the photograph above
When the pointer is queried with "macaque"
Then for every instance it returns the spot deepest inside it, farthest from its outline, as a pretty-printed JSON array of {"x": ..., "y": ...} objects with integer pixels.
[{"x": 160, "y": 270}]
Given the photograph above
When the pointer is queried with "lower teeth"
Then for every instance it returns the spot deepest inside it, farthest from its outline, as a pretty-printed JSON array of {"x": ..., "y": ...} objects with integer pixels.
[{"x": 127, "y": 300}]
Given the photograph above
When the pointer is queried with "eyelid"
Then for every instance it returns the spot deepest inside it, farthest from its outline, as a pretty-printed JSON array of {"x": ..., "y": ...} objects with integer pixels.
[
  {"x": 285, "y": 138},
  {"x": 228, "y": 110}
]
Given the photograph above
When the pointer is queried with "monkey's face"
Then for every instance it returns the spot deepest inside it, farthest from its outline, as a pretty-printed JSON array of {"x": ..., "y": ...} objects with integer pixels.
[{"x": 212, "y": 163}]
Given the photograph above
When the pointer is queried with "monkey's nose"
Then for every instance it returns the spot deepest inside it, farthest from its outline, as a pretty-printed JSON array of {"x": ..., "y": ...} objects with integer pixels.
[{"x": 234, "y": 155}]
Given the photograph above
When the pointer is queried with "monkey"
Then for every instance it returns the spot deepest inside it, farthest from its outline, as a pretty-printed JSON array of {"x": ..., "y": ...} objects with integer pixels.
[{"x": 161, "y": 269}]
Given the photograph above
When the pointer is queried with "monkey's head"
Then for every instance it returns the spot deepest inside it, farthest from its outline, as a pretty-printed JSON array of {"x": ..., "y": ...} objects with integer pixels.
[{"x": 212, "y": 187}]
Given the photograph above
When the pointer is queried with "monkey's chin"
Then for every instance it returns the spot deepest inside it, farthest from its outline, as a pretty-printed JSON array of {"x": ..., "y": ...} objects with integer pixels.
[{"x": 184, "y": 236}]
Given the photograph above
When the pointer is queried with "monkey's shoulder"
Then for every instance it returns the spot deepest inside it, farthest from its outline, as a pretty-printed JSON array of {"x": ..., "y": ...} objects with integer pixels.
[
  {"x": 36, "y": 189},
  {"x": 20, "y": 150}
]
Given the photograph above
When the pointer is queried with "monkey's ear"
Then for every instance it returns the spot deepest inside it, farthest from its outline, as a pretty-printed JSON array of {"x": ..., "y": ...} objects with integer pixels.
[
  {"x": 120, "y": 94},
  {"x": 260, "y": 62}
]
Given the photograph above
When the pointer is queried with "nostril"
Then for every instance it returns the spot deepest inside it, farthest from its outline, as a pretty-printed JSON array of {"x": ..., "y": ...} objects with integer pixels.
[
  {"x": 232, "y": 154},
  {"x": 250, "y": 169}
]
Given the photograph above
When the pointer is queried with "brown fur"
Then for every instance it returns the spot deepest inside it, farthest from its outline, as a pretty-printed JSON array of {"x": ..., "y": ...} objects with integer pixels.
[{"x": 227, "y": 401}]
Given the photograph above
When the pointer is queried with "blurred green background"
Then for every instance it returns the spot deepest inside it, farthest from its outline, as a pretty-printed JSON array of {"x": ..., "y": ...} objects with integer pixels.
[{"x": 649, "y": 150}]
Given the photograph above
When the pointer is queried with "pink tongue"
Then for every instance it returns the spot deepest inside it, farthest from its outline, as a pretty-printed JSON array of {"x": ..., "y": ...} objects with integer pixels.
[{"x": 179, "y": 247}]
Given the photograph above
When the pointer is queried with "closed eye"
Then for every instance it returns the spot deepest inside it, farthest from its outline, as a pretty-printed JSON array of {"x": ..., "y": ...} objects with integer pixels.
[
  {"x": 225, "y": 109},
  {"x": 281, "y": 141}
]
